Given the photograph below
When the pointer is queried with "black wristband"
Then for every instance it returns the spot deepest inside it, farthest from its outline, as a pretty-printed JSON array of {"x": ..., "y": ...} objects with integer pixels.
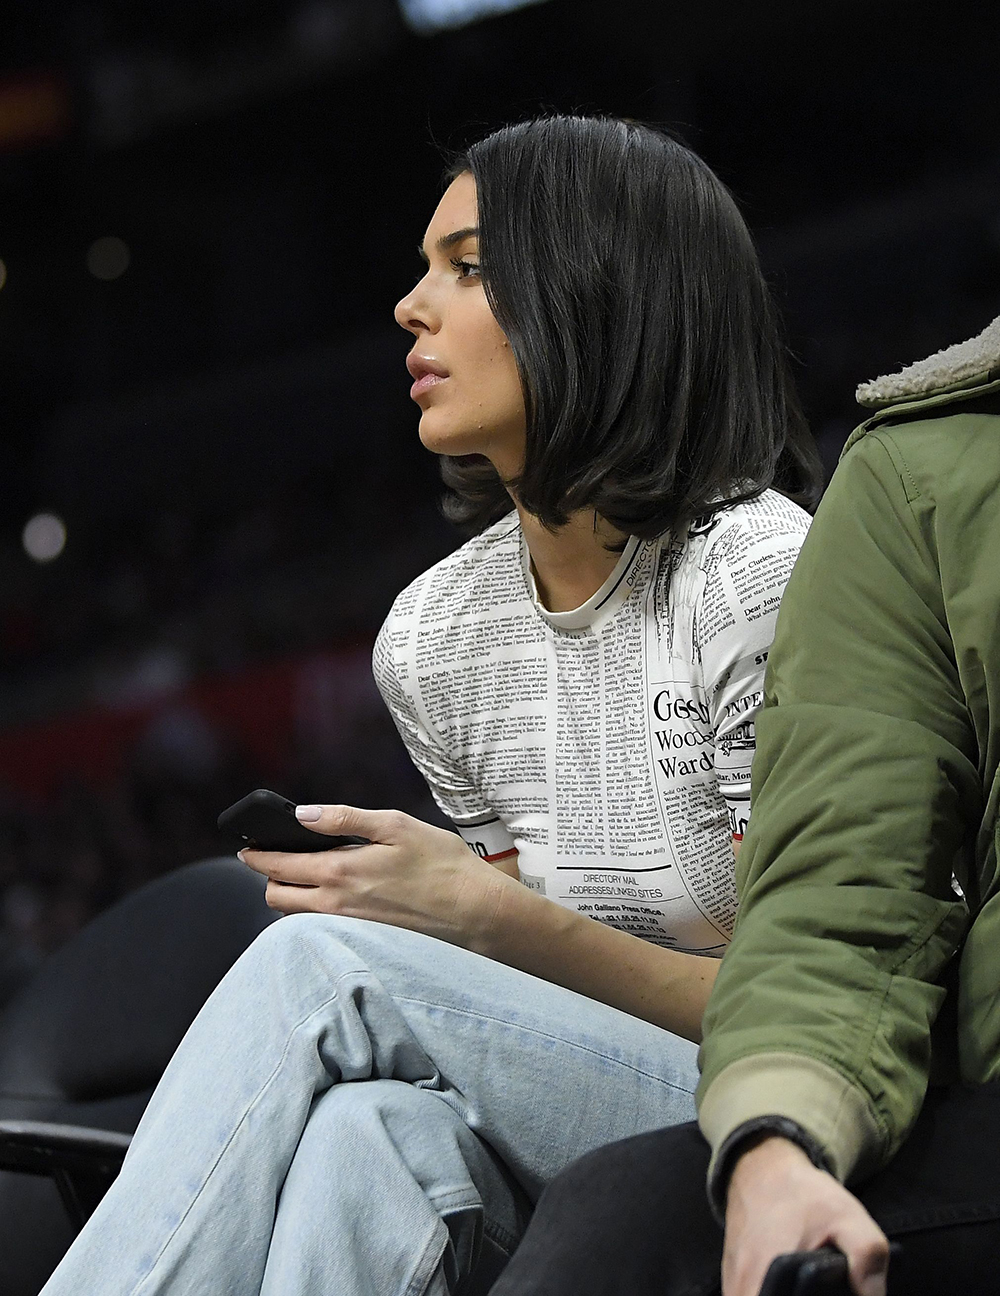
[{"x": 736, "y": 1144}]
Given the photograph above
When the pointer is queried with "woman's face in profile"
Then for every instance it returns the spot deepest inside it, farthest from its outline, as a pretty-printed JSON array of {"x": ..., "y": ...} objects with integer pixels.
[{"x": 466, "y": 381}]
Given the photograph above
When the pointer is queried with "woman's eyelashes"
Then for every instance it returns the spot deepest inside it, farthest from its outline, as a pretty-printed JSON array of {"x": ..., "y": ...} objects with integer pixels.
[{"x": 465, "y": 269}]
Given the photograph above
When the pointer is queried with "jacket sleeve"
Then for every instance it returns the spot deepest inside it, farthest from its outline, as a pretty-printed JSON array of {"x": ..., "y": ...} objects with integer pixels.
[{"x": 865, "y": 784}]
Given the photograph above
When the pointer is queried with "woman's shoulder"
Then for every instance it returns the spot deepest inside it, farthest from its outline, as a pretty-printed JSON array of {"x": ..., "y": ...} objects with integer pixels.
[
  {"x": 768, "y": 514},
  {"x": 457, "y": 579},
  {"x": 769, "y": 521},
  {"x": 737, "y": 548}
]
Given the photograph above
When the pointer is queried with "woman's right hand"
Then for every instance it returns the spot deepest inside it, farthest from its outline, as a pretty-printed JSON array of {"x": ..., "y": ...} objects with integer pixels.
[
  {"x": 778, "y": 1201},
  {"x": 410, "y": 874}
]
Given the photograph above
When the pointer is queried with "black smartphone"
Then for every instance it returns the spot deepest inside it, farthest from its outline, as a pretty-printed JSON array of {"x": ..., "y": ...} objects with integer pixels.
[
  {"x": 808, "y": 1273},
  {"x": 266, "y": 821},
  {"x": 813, "y": 1273}
]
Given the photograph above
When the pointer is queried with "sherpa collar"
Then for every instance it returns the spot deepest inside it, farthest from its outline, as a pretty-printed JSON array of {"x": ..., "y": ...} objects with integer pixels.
[{"x": 955, "y": 366}]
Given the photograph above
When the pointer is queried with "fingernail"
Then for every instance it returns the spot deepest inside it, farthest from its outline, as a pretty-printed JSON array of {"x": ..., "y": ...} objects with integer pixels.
[
  {"x": 241, "y": 857},
  {"x": 308, "y": 813}
]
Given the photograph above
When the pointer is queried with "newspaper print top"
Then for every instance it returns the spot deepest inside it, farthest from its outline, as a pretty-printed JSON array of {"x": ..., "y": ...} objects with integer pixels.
[{"x": 608, "y": 748}]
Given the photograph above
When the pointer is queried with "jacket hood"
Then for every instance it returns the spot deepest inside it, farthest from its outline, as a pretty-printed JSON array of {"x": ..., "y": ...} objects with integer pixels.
[{"x": 963, "y": 365}]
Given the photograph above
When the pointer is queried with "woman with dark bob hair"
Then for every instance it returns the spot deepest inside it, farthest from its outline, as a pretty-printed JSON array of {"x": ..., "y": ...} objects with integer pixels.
[{"x": 378, "y": 1091}]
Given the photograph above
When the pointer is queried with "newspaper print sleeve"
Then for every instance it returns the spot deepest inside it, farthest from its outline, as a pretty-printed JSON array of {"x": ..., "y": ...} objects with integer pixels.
[
  {"x": 735, "y": 627},
  {"x": 478, "y": 825}
]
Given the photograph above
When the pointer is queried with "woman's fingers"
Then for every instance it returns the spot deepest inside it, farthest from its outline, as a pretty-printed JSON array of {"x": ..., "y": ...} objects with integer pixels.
[
  {"x": 289, "y": 899},
  {"x": 350, "y": 821},
  {"x": 309, "y": 868},
  {"x": 410, "y": 874},
  {"x": 301, "y": 869}
]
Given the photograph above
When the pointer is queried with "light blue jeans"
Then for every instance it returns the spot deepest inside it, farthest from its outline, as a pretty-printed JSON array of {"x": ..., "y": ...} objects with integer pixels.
[{"x": 360, "y": 1110}]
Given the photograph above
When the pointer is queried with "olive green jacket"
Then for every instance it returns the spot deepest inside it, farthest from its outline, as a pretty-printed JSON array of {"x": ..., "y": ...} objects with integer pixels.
[{"x": 875, "y": 786}]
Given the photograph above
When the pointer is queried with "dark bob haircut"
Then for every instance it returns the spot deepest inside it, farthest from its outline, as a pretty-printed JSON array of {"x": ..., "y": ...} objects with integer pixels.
[{"x": 654, "y": 373}]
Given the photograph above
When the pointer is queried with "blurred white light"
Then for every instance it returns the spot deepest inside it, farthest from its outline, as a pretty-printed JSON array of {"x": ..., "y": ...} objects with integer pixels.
[
  {"x": 435, "y": 15},
  {"x": 44, "y": 537},
  {"x": 108, "y": 258},
  {"x": 3, "y": 274}
]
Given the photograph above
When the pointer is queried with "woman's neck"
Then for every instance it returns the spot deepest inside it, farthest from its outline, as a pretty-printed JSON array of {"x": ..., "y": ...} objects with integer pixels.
[{"x": 571, "y": 564}]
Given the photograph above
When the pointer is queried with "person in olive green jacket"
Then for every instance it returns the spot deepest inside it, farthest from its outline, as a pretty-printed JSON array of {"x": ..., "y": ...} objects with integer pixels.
[
  {"x": 865, "y": 964},
  {"x": 871, "y": 863}
]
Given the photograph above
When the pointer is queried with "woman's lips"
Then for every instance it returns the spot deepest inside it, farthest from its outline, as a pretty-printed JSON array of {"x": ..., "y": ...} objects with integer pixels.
[
  {"x": 424, "y": 383},
  {"x": 426, "y": 373}
]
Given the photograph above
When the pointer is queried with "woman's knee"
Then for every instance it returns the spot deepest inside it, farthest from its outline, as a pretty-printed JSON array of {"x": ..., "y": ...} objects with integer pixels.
[
  {"x": 305, "y": 933},
  {"x": 309, "y": 937},
  {"x": 293, "y": 963},
  {"x": 373, "y": 1102}
]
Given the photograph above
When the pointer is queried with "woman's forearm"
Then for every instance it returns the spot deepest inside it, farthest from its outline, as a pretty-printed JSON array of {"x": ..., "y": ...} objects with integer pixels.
[
  {"x": 414, "y": 875},
  {"x": 524, "y": 930}
]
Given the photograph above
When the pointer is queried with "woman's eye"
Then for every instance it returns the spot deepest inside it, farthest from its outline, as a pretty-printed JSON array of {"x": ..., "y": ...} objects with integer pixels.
[{"x": 465, "y": 269}]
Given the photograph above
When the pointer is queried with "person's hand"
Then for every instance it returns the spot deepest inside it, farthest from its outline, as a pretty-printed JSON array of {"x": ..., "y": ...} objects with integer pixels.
[
  {"x": 412, "y": 875},
  {"x": 778, "y": 1201}
]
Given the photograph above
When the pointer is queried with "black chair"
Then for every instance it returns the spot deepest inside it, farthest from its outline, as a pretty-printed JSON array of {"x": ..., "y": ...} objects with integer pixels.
[{"x": 84, "y": 1041}]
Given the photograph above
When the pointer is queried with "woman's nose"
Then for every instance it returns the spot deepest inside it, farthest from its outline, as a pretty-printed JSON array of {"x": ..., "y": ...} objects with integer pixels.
[{"x": 413, "y": 312}]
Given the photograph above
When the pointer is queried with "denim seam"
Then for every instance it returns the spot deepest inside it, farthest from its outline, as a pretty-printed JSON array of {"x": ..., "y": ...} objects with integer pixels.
[
  {"x": 457, "y": 1199},
  {"x": 453, "y": 1199},
  {"x": 427, "y": 1262},
  {"x": 497, "y": 1233},
  {"x": 533, "y": 1030}
]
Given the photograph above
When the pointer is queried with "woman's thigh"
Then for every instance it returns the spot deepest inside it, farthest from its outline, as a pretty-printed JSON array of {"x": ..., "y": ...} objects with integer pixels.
[{"x": 542, "y": 1074}]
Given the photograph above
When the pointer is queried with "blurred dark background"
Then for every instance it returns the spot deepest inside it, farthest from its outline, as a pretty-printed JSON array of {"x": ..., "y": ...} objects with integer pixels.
[{"x": 212, "y": 486}]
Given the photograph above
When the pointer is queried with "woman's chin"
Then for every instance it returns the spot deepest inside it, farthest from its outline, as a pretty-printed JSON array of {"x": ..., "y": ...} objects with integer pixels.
[{"x": 443, "y": 440}]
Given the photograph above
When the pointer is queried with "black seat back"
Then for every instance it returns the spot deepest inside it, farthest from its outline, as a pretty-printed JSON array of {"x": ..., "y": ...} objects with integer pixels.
[{"x": 88, "y": 1036}]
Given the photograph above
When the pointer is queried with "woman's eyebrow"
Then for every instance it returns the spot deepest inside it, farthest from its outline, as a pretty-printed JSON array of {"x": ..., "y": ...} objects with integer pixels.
[{"x": 447, "y": 241}]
